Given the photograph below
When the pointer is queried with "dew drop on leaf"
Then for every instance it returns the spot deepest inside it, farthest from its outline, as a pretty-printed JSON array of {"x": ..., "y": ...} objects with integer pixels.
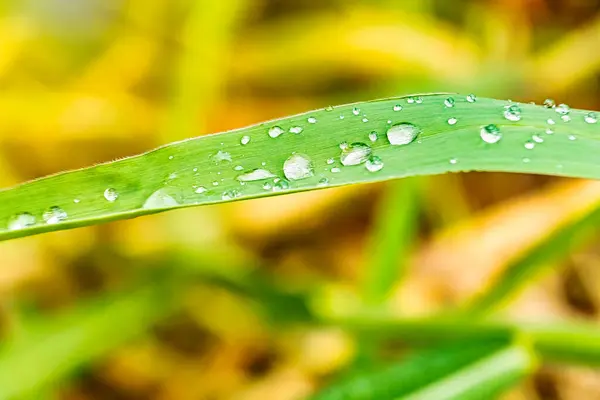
[
  {"x": 374, "y": 164},
  {"x": 397, "y": 107},
  {"x": 591, "y": 118},
  {"x": 355, "y": 154},
  {"x": 549, "y": 103},
  {"x": 111, "y": 194},
  {"x": 21, "y": 221},
  {"x": 373, "y": 136},
  {"x": 401, "y": 134},
  {"x": 449, "y": 102},
  {"x": 490, "y": 134},
  {"x": 275, "y": 131},
  {"x": 159, "y": 199},
  {"x": 255, "y": 175},
  {"x": 452, "y": 121},
  {"x": 54, "y": 215},
  {"x": 471, "y": 98},
  {"x": 529, "y": 145},
  {"x": 513, "y": 113},
  {"x": 200, "y": 190},
  {"x": 245, "y": 140},
  {"x": 297, "y": 166},
  {"x": 312, "y": 120},
  {"x": 296, "y": 129}
]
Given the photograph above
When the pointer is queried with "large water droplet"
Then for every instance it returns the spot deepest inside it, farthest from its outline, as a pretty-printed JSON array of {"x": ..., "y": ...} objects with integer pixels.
[
  {"x": 111, "y": 194},
  {"x": 245, "y": 140},
  {"x": 513, "y": 113},
  {"x": 275, "y": 131},
  {"x": 356, "y": 153},
  {"x": 562, "y": 109},
  {"x": 374, "y": 164},
  {"x": 255, "y": 175},
  {"x": 591, "y": 118},
  {"x": 401, "y": 134},
  {"x": 54, "y": 215},
  {"x": 297, "y": 166},
  {"x": 21, "y": 221},
  {"x": 490, "y": 134},
  {"x": 160, "y": 199},
  {"x": 296, "y": 129},
  {"x": 549, "y": 103}
]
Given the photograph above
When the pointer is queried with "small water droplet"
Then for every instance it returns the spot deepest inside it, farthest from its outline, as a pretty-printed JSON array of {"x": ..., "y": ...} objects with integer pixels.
[
  {"x": 365, "y": 119},
  {"x": 275, "y": 131},
  {"x": 452, "y": 121},
  {"x": 529, "y": 145},
  {"x": 296, "y": 129},
  {"x": 401, "y": 134},
  {"x": 245, "y": 140},
  {"x": 397, "y": 107},
  {"x": 562, "y": 109},
  {"x": 373, "y": 136},
  {"x": 419, "y": 100},
  {"x": 374, "y": 164},
  {"x": 344, "y": 145},
  {"x": 238, "y": 168},
  {"x": 76, "y": 201},
  {"x": 54, "y": 215},
  {"x": 215, "y": 183},
  {"x": 526, "y": 160},
  {"x": 323, "y": 182},
  {"x": 550, "y": 121},
  {"x": 356, "y": 111},
  {"x": 591, "y": 118},
  {"x": 195, "y": 169},
  {"x": 449, "y": 102},
  {"x": 559, "y": 166},
  {"x": 549, "y": 131},
  {"x": 549, "y": 103},
  {"x": 566, "y": 118},
  {"x": 200, "y": 190},
  {"x": 312, "y": 120},
  {"x": 329, "y": 108},
  {"x": 255, "y": 175},
  {"x": 513, "y": 113},
  {"x": 335, "y": 170},
  {"x": 21, "y": 221},
  {"x": 490, "y": 134},
  {"x": 453, "y": 161},
  {"x": 330, "y": 161},
  {"x": 342, "y": 116},
  {"x": 160, "y": 199},
  {"x": 298, "y": 166},
  {"x": 172, "y": 176},
  {"x": 410, "y": 100},
  {"x": 170, "y": 157},
  {"x": 111, "y": 194},
  {"x": 230, "y": 194},
  {"x": 471, "y": 98},
  {"x": 280, "y": 185},
  {"x": 572, "y": 137},
  {"x": 537, "y": 138},
  {"x": 267, "y": 186},
  {"x": 221, "y": 156},
  {"x": 355, "y": 154}
]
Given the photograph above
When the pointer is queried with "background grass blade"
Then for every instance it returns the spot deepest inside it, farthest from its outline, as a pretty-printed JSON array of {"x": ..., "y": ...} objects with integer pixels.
[
  {"x": 452, "y": 371},
  {"x": 205, "y": 170}
]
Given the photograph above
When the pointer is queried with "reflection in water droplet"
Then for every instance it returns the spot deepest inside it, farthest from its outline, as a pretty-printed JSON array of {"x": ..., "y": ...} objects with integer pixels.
[
  {"x": 373, "y": 136},
  {"x": 296, "y": 129},
  {"x": 200, "y": 190},
  {"x": 54, "y": 215},
  {"x": 245, "y": 140},
  {"x": 490, "y": 134},
  {"x": 529, "y": 145},
  {"x": 111, "y": 194},
  {"x": 537, "y": 138},
  {"x": 374, "y": 164},
  {"x": 549, "y": 103},
  {"x": 275, "y": 131},
  {"x": 312, "y": 120},
  {"x": 471, "y": 98},
  {"x": 397, "y": 107},
  {"x": 21, "y": 221},
  {"x": 513, "y": 113},
  {"x": 255, "y": 175},
  {"x": 401, "y": 134},
  {"x": 452, "y": 121},
  {"x": 449, "y": 102},
  {"x": 230, "y": 194},
  {"x": 160, "y": 199},
  {"x": 297, "y": 166},
  {"x": 591, "y": 118},
  {"x": 356, "y": 153}
]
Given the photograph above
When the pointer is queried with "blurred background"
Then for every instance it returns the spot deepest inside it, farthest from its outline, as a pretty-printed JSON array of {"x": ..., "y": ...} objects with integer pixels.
[{"x": 218, "y": 302}]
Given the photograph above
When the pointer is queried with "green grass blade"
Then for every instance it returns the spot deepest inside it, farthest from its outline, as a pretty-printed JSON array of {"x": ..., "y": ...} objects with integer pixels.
[
  {"x": 393, "y": 235},
  {"x": 172, "y": 176},
  {"x": 467, "y": 371},
  {"x": 50, "y": 349}
]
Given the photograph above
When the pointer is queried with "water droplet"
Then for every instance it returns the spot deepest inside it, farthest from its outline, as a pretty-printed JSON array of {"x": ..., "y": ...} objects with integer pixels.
[
  {"x": 255, "y": 175},
  {"x": 54, "y": 215},
  {"x": 355, "y": 154},
  {"x": 550, "y": 121},
  {"x": 566, "y": 118},
  {"x": 449, "y": 102},
  {"x": 296, "y": 129},
  {"x": 230, "y": 194},
  {"x": 344, "y": 145},
  {"x": 526, "y": 160},
  {"x": 215, "y": 183},
  {"x": 513, "y": 113},
  {"x": 562, "y": 109},
  {"x": 452, "y": 121},
  {"x": 374, "y": 164},
  {"x": 267, "y": 186},
  {"x": 365, "y": 119},
  {"x": 529, "y": 145},
  {"x": 591, "y": 118},
  {"x": 397, "y": 107},
  {"x": 221, "y": 156},
  {"x": 471, "y": 98},
  {"x": 419, "y": 100},
  {"x": 549, "y": 131},
  {"x": 275, "y": 131},
  {"x": 111, "y": 194},
  {"x": 76, "y": 201},
  {"x": 21, "y": 221},
  {"x": 401, "y": 134},
  {"x": 572, "y": 137},
  {"x": 172, "y": 176},
  {"x": 297, "y": 166},
  {"x": 335, "y": 170},
  {"x": 312, "y": 120},
  {"x": 329, "y": 108},
  {"x": 200, "y": 190},
  {"x": 549, "y": 103},
  {"x": 330, "y": 161},
  {"x": 323, "y": 182},
  {"x": 410, "y": 100},
  {"x": 280, "y": 185},
  {"x": 356, "y": 111},
  {"x": 490, "y": 134},
  {"x": 453, "y": 161},
  {"x": 342, "y": 116},
  {"x": 160, "y": 199},
  {"x": 373, "y": 136},
  {"x": 537, "y": 138},
  {"x": 195, "y": 169},
  {"x": 170, "y": 157},
  {"x": 245, "y": 140}
]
